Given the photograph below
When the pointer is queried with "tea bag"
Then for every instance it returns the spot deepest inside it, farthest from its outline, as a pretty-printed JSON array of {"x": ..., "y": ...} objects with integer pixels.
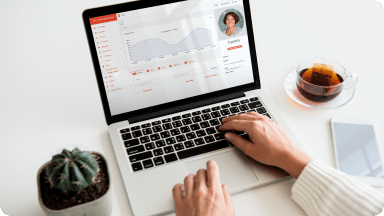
[
  {"x": 324, "y": 75},
  {"x": 307, "y": 75}
]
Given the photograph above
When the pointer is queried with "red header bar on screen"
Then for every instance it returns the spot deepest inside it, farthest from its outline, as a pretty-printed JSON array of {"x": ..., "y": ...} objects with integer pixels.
[{"x": 103, "y": 19}]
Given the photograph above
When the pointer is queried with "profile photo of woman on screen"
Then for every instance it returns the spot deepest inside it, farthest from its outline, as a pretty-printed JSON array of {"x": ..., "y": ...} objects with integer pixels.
[{"x": 231, "y": 19}]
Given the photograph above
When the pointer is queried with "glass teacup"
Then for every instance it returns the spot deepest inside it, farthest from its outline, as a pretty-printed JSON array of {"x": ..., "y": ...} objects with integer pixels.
[{"x": 321, "y": 79}]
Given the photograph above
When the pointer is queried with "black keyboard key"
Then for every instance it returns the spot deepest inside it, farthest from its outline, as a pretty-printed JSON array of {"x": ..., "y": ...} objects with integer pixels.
[
  {"x": 167, "y": 126},
  {"x": 191, "y": 135},
  {"x": 235, "y": 104},
  {"x": 214, "y": 122},
  {"x": 245, "y": 136},
  {"x": 199, "y": 141},
  {"x": 196, "y": 113},
  {"x": 126, "y": 136},
  {"x": 124, "y": 130},
  {"x": 137, "y": 166},
  {"x": 141, "y": 156},
  {"x": 160, "y": 143},
  {"x": 225, "y": 112},
  {"x": 255, "y": 104},
  {"x": 158, "y": 161},
  {"x": 148, "y": 163},
  {"x": 135, "y": 128},
  {"x": 158, "y": 152},
  {"x": 254, "y": 99},
  {"x": 200, "y": 133},
  {"x": 175, "y": 132},
  {"x": 267, "y": 115},
  {"x": 181, "y": 138},
  {"x": 157, "y": 128},
  {"x": 243, "y": 107},
  {"x": 189, "y": 144},
  {"x": 216, "y": 108},
  {"x": 209, "y": 139},
  {"x": 156, "y": 123},
  {"x": 244, "y": 101},
  {"x": 170, "y": 141},
  {"x": 196, "y": 119},
  {"x": 131, "y": 143},
  {"x": 144, "y": 139},
  {"x": 147, "y": 131},
  {"x": 166, "y": 120},
  {"x": 210, "y": 130},
  {"x": 186, "y": 115},
  {"x": 137, "y": 134},
  {"x": 150, "y": 146},
  {"x": 219, "y": 136},
  {"x": 204, "y": 124},
  {"x": 215, "y": 114},
  {"x": 206, "y": 110},
  {"x": 146, "y": 125},
  {"x": 202, "y": 149},
  {"x": 206, "y": 116},
  {"x": 185, "y": 129},
  {"x": 238, "y": 132},
  {"x": 165, "y": 134},
  {"x": 187, "y": 121},
  {"x": 234, "y": 110},
  {"x": 170, "y": 158},
  {"x": 178, "y": 146},
  {"x": 168, "y": 149},
  {"x": 176, "y": 118},
  {"x": 177, "y": 124},
  {"x": 225, "y": 106},
  {"x": 195, "y": 127},
  {"x": 261, "y": 110},
  {"x": 135, "y": 150},
  {"x": 218, "y": 128}
]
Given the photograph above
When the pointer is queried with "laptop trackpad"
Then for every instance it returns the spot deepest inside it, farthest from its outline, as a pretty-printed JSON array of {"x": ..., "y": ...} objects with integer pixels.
[{"x": 234, "y": 169}]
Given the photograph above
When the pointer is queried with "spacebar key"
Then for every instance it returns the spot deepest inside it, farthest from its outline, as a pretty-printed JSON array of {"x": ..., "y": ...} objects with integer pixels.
[{"x": 202, "y": 149}]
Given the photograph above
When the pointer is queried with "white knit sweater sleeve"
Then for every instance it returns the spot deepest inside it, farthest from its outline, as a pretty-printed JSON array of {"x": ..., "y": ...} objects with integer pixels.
[{"x": 322, "y": 190}]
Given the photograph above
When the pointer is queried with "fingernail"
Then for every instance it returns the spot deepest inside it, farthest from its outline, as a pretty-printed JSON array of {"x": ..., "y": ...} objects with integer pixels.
[{"x": 227, "y": 136}]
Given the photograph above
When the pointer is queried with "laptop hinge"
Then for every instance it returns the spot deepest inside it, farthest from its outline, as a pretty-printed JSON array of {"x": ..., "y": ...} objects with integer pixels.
[{"x": 168, "y": 111}]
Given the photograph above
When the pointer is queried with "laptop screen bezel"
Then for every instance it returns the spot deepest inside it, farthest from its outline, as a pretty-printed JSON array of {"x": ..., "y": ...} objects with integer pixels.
[{"x": 130, "y": 6}]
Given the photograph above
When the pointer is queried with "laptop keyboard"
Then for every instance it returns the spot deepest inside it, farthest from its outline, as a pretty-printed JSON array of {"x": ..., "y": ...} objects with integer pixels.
[{"x": 180, "y": 137}]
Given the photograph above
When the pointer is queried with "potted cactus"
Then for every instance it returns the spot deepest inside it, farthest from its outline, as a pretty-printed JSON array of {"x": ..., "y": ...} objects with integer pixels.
[{"x": 75, "y": 183}]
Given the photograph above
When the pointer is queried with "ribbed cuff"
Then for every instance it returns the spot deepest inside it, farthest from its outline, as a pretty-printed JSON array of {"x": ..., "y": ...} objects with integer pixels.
[{"x": 322, "y": 190}]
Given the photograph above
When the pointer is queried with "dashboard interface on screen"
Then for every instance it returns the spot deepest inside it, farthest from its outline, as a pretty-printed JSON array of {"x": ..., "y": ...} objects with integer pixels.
[{"x": 170, "y": 52}]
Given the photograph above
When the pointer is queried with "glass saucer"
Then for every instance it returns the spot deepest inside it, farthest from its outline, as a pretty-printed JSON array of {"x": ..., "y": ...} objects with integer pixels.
[{"x": 290, "y": 87}]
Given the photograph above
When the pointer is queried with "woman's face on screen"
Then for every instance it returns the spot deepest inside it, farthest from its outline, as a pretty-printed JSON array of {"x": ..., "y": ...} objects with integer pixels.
[{"x": 230, "y": 21}]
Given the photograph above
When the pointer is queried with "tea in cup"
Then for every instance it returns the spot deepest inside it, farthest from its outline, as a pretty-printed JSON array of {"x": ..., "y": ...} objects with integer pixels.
[{"x": 321, "y": 80}]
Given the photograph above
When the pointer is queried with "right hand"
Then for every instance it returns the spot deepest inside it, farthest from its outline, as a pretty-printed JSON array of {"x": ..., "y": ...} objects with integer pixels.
[{"x": 268, "y": 144}]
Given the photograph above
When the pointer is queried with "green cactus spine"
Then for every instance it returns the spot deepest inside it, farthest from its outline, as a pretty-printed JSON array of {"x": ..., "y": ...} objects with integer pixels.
[{"x": 72, "y": 171}]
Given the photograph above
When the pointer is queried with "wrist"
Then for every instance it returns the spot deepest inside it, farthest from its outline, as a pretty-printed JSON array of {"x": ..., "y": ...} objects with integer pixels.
[{"x": 295, "y": 163}]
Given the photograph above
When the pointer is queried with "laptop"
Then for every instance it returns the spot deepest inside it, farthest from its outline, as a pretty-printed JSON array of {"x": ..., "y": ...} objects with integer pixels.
[{"x": 168, "y": 72}]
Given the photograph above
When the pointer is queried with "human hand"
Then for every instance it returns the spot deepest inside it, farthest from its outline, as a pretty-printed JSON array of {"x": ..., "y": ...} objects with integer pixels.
[
  {"x": 204, "y": 194},
  {"x": 268, "y": 144}
]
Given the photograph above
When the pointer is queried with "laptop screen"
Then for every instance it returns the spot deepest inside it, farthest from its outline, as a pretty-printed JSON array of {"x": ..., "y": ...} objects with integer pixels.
[{"x": 165, "y": 53}]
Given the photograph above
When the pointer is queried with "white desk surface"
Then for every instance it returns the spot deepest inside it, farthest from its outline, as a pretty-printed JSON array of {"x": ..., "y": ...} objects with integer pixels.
[{"x": 50, "y": 100}]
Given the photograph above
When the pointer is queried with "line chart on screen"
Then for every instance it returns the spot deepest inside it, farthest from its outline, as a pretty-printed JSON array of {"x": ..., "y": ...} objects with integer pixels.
[{"x": 170, "y": 40}]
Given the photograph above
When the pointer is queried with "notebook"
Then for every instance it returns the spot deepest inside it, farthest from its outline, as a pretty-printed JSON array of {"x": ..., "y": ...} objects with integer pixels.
[{"x": 168, "y": 72}]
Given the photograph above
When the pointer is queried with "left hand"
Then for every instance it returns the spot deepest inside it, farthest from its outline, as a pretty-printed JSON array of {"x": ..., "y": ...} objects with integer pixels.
[{"x": 204, "y": 194}]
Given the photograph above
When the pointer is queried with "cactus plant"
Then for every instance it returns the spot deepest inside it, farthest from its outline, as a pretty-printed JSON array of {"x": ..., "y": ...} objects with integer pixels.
[{"x": 72, "y": 171}]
